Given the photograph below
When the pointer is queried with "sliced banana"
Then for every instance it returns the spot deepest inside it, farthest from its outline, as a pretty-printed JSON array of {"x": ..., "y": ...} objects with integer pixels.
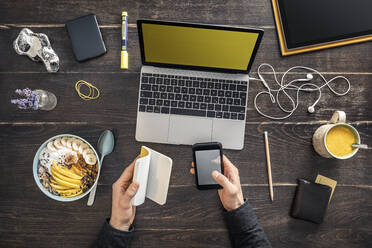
[
  {"x": 69, "y": 142},
  {"x": 75, "y": 144},
  {"x": 57, "y": 144},
  {"x": 90, "y": 159},
  {"x": 64, "y": 141},
  {"x": 51, "y": 147},
  {"x": 82, "y": 147},
  {"x": 87, "y": 152}
]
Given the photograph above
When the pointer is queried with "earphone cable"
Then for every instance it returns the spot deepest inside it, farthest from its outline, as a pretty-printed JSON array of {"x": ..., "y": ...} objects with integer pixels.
[{"x": 283, "y": 87}]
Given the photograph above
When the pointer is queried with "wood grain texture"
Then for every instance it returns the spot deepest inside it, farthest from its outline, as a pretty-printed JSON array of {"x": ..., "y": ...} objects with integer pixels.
[
  {"x": 119, "y": 97},
  {"x": 286, "y": 141},
  {"x": 193, "y": 222},
  {"x": 345, "y": 59},
  {"x": 191, "y": 218},
  {"x": 211, "y": 11}
]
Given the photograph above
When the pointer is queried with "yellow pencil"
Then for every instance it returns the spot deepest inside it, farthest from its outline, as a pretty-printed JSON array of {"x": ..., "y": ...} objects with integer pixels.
[{"x": 269, "y": 166}]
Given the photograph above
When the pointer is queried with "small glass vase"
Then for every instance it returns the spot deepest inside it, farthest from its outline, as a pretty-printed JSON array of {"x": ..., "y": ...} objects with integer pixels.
[{"x": 48, "y": 100}]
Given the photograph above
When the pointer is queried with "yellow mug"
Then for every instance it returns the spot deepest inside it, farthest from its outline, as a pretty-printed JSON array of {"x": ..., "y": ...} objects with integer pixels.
[{"x": 335, "y": 139}]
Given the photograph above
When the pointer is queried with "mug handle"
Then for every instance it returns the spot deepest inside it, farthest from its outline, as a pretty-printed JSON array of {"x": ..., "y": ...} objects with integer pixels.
[{"x": 338, "y": 117}]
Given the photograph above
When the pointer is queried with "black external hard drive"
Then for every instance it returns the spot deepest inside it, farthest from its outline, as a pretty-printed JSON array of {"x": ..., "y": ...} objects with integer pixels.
[{"x": 86, "y": 37}]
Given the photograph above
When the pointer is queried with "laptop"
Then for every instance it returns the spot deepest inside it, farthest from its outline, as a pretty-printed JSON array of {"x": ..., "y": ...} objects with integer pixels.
[{"x": 194, "y": 82}]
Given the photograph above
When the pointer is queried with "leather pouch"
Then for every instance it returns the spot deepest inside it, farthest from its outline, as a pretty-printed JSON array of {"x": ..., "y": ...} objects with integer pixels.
[
  {"x": 86, "y": 37},
  {"x": 311, "y": 201}
]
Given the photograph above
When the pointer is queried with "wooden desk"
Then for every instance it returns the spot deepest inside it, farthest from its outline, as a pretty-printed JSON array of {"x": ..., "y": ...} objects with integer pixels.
[{"x": 191, "y": 218}]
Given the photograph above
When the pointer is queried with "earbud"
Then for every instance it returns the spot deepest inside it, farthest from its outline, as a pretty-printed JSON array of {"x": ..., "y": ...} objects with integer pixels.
[
  {"x": 309, "y": 77},
  {"x": 285, "y": 85},
  {"x": 311, "y": 109}
]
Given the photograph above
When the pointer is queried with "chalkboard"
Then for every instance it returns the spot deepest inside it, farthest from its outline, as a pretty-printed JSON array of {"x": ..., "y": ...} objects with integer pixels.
[{"x": 305, "y": 25}]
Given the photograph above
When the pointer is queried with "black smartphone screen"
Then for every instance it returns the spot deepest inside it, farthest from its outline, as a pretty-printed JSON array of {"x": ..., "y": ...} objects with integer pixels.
[{"x": 207, "y": 157}]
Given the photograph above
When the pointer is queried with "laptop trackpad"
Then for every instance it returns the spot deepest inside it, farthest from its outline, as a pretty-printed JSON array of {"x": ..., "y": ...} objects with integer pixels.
[
  {"x": 189, "y": 130},
  {"x": 152, "y": 127}
]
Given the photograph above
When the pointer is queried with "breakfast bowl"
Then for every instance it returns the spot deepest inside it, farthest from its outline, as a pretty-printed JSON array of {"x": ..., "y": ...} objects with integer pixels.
[{"x": 66, "y": 167}]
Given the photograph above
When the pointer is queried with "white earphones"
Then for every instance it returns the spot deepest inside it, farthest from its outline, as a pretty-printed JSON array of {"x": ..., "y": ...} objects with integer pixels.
[
  {"x": 305, "y": 87},
  {"x": 311, "y": 109}
]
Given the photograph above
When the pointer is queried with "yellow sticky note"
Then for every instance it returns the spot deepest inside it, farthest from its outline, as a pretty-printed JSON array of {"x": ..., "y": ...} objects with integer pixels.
[{"x": 326, "y": 181}]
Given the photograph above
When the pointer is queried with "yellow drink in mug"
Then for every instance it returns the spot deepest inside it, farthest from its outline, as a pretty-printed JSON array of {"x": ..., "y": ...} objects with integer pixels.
[{"x": 336, "y": 138}]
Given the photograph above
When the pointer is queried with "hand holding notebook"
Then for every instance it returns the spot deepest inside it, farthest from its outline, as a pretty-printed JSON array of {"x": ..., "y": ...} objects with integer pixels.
[{"x": 152, "y": 171}]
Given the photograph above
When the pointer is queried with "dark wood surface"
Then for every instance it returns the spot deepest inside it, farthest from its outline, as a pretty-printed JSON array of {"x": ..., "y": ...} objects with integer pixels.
[{"x": 191, "y": 218}]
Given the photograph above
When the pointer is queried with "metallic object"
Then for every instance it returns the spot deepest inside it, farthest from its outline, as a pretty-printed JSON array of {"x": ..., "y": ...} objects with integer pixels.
[
  {"x": 37, "y": 47},
  {"x": 361, "y": 146},
  {"x": 106, "y": 143}
]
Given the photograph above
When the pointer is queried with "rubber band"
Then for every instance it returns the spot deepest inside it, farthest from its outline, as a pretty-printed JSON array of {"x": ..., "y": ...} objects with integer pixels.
[{"x": 94, "y": 92}]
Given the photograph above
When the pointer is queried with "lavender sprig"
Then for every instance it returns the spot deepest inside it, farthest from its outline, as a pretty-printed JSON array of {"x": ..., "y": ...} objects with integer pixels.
[
  {"x": 25, "y": 92},
  {"x": 30, "y": 102}
]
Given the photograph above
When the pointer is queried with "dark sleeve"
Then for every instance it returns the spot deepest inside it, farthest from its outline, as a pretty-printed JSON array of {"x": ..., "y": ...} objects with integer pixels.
[
  {"x": 244, "y": 229},
  {"x": 110, "y": 237}
]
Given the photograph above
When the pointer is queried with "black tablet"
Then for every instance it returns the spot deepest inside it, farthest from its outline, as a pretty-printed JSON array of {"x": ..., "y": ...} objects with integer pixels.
[{"x": 318, "y": 23}]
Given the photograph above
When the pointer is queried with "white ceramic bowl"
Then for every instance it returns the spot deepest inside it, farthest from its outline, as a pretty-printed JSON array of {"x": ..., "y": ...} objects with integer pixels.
[{"x": 44, "y": 190}]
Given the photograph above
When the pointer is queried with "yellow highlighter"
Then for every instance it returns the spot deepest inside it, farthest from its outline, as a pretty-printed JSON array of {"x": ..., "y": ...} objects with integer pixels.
[{"x": 124, "y": 38}]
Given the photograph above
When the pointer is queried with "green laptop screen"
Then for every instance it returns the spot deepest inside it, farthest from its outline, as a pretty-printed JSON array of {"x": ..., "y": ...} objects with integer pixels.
[{"x": 201, "y": 47}]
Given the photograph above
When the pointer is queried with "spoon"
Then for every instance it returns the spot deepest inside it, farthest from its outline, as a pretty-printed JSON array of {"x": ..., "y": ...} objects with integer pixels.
[
  {"x": 361, "y": 146},
  {"x": 105, "y": 146}
]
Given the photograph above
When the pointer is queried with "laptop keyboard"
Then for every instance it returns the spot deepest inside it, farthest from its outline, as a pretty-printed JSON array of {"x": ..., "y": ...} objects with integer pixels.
[{"x": 194, "y": 96}]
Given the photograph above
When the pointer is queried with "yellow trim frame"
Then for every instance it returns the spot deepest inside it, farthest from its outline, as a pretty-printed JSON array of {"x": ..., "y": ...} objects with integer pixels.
[{"x": 286, "y": 52}]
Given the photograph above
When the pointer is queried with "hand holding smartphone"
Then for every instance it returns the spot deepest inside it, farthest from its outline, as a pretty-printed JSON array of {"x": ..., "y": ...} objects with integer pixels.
[{"x": 207, "y": 158}]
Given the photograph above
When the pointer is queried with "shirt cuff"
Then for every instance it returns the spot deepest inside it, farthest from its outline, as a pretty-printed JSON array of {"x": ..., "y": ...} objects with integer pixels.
[
  {"x": 107, "y": 227},
  {"x": 241, "y": 219}
]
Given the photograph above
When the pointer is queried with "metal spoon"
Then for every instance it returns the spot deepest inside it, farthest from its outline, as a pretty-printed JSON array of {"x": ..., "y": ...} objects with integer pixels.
[
  {"x": 105, "y": 146},
  {"x": 361, "y": 146}
]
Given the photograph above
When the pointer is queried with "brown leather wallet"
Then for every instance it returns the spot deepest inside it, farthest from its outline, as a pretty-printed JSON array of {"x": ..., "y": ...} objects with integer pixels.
[{"x": 311, "y": 201}]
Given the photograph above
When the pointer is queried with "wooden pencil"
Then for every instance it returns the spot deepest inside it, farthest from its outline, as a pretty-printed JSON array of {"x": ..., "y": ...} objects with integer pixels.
[{"x": 268, "y": 162}]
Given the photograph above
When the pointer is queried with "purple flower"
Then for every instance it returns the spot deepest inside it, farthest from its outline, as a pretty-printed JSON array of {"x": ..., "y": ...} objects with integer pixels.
[
  {"x": 30, "y": 102},
  {"x": 27, "y": 92},
  {"x": 19, "y": 92}
]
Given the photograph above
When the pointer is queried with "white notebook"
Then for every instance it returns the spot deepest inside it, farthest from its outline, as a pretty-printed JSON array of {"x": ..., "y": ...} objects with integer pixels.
[{"x": 152, "y": 170}]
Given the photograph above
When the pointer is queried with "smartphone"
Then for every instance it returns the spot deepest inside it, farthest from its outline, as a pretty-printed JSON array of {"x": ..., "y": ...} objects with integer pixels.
[{"x": 207, "y": 158}]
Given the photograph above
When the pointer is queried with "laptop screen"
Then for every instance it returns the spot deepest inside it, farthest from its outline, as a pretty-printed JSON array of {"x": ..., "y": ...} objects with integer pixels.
[{"x": 198, "y": 46}]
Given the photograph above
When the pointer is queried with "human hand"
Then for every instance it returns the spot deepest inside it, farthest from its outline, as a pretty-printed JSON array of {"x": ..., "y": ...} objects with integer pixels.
[
  {"x": 231, "y": 194},
  {"x": 123, "y": 190}
]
